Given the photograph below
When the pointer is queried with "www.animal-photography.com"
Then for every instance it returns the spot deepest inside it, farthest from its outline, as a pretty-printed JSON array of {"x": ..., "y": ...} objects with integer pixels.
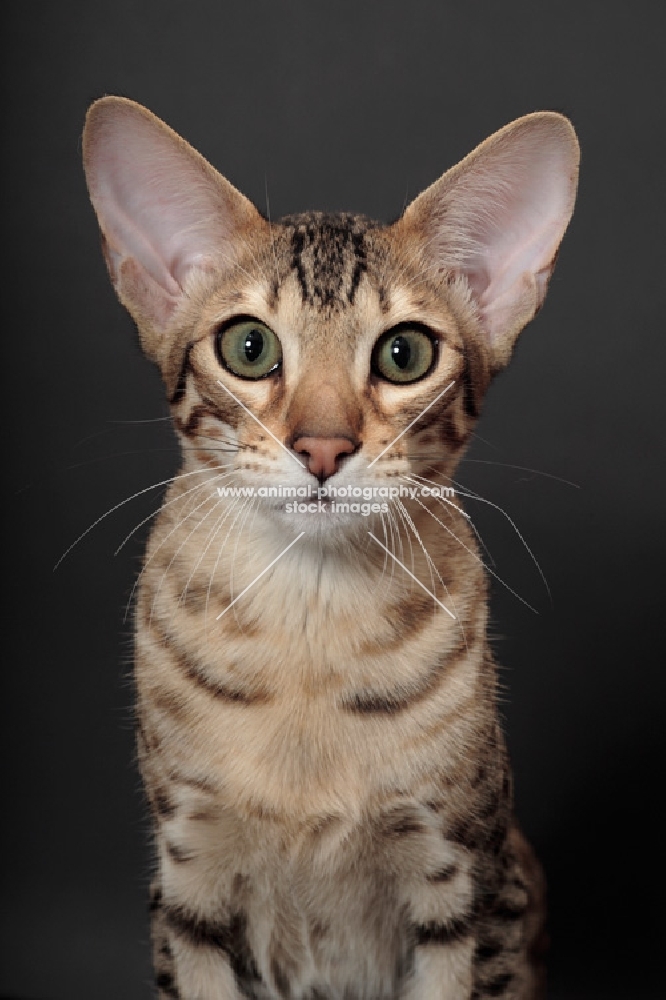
[{"x": 333, "y": 665}]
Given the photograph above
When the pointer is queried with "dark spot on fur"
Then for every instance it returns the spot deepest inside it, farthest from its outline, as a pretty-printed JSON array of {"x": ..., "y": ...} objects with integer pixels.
[
  {"x": 177, "y": 853},
  {"x": 229, "y": 937},
  {"x": 181, "y": 382},
  {"x": 497, "y": 986},
  {"x": 166, "y": 983},
  {"x": 488, "y": 950},
  {"x": 191, "y": 426},
  {"x": 444, "y": 874},
  {"x": 318, "y": 930},
  {"x": 280, "y": 979},
  {"x": 439, "y": 933},
  {"x": 401, "y": 822},
  {"x": 163, "y": 804}
]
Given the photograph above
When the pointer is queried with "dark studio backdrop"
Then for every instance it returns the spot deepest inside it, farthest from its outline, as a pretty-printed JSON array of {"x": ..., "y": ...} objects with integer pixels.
[{"x": 337, "y": 106}]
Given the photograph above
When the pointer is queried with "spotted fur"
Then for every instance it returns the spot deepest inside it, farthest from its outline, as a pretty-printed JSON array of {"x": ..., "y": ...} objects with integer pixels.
[{"x": 328, "y": 779}]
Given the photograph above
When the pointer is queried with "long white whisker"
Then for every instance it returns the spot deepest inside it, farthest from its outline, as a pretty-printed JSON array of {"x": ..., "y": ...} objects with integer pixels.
[
  {"x": 409, "y": 522},
  {"x": 409, "y": 525},
  {"x": 433, "y": 568},
  {"x": 235, "y": 553},
  {"x": 219, "y": 556},
  {"x": 476, "y": 556},
  {"x": 157, "y": 548},
  {"x": 390, "y": 542},
  {"x": 180, "y": 547},
  {"x": 147, "y": 489},
  {"x": 396, "y": 537},
  {"x": 447, "y": 503},
  {"x": 475, "y": 496},
  {"x": 148, "y": 420},
  {"x": 168, "y": 503},
  {"x": 385, "y": 534},
  {"x": 400, "y": 512},
  {"x": 522, "y": 468},
  {"x": 209, "y": 540}
]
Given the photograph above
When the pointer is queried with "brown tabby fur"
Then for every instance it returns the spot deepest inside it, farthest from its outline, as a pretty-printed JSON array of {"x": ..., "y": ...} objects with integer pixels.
[{"x": 325, "y": 767}]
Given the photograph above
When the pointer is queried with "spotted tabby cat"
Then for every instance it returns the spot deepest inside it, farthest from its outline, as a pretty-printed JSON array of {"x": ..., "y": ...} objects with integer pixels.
[{"x": 315, "y": 694}]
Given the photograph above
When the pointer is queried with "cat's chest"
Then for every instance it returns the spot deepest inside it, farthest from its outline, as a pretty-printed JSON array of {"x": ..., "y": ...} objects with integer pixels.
[{"x": 312, "y": 681}]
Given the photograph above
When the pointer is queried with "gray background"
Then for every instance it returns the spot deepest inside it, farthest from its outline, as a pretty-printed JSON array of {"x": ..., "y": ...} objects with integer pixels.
[{"x": 346, "y": 106}]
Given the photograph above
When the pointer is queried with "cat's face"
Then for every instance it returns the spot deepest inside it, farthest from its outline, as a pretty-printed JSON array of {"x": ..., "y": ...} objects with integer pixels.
[
  {"x": 327, "y": 352},
  {"x": 331, "y": 335}
]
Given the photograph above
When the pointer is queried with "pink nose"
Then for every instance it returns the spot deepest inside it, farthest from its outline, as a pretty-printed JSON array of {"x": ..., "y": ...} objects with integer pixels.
[{"x": 324, "y": 454}]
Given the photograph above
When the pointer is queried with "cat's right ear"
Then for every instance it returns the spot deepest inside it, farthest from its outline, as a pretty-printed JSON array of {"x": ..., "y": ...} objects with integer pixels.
[{"x": 163, "y": 210}]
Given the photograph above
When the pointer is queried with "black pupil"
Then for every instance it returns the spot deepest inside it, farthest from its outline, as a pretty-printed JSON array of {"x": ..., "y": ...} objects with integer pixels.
[
  {"x": 253, "y": 345},
  {"x": 401, "y": 352}
]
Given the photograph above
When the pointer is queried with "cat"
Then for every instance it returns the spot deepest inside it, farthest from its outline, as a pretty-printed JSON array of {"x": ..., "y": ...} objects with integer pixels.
[{"x": 316, "y": 704}]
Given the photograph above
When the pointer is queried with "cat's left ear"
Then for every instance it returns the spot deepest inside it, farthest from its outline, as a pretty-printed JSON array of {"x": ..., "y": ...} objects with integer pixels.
[{"x": 497, "y": 219}]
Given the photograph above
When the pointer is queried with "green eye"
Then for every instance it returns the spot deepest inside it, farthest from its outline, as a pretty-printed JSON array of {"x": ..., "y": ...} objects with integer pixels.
[
  {"x": 404, "y": 354},
  {"x": 248, "y": 348}
]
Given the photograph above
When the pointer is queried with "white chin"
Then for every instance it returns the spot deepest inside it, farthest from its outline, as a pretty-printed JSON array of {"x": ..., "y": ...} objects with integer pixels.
[{"x": 323, "y": 523}]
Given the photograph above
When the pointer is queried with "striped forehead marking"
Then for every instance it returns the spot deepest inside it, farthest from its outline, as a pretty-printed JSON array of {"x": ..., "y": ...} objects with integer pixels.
[{"x": 329, "y": 255}]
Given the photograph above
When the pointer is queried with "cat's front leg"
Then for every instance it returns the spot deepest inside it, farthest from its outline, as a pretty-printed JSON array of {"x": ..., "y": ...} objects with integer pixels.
[
  {"x": 195, "y": 958},
  {"x": 199, "y": 922}
]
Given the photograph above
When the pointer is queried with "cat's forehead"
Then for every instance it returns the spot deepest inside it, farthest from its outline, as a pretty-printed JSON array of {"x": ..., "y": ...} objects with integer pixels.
[{"x": 329, "y": 254}]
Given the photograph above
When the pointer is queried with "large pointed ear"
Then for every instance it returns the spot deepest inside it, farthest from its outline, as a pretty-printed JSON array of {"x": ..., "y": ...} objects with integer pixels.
[
  {"x": 497, "y": 218},
  {"x": 162, "y": 209}
]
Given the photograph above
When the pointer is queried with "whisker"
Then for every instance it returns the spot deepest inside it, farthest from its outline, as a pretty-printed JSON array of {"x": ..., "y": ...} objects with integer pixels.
[
  {"x": 395, "y": 536},
  {"x": 168, "y": 503},
  {"x": 157, "y": 548},
  {"x": 476, "y": 556},
  {"x": 409, "y": 524},
  {"x": 400, "y": 511},
  {"x": 180, "y": 547},
  {"x": 389, "y": 545},
  {"x": 523, "y": 468},
  {"x": 219, "y": 556},
  {"x": 446, "y": 503},
  {"x": 209, "y": 539},
  {"x": 148, "y": 420},
  {"x": 475, "y": 496},
  {"x": 384, "y": 532},
  {"x": 111, "y": 510},
  {"x": 235, "y": 553},
  {"x": 432, "y": 567}
]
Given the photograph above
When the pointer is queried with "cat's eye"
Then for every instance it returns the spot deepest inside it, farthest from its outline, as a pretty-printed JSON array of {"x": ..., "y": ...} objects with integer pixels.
[
  {"x": 248, "y": 348},
  {"x": 404, "y": 354}
]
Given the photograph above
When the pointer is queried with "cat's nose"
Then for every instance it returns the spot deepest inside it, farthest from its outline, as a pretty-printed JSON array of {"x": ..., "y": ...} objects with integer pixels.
[{"x": 324, "y": 455}]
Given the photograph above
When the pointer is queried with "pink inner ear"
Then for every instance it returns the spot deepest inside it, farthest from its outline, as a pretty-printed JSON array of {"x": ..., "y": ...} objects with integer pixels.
[
  {"x": 498, "y": 217},
  {"x": 126, "y": 238},
  {"x": 157, "y": 200},
  {"x": 517, "y": 234}
]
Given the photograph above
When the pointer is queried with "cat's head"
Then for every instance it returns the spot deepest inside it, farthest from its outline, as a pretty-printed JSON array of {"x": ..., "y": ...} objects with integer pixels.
[{"x": 327, "y": 350}]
